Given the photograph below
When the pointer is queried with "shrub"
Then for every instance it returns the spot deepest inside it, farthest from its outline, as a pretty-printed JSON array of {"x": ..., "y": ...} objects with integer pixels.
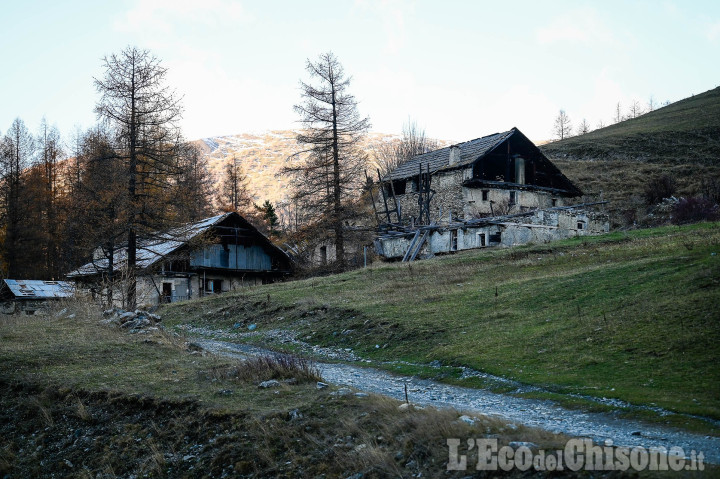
[
  {"x": 657, "y": 189},
  {"x": 693, "y": 210}
]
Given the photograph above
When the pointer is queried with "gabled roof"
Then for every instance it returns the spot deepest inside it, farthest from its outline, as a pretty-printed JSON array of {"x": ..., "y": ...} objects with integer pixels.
[
  {"x": 440, "y": 159},
  {"x": 152, "y": 250},
  {"x": 36, "y": 289}
]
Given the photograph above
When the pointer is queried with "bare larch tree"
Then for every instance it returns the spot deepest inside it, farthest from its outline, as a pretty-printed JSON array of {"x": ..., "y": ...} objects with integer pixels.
[
  {"x": 635, "y": 109},
  {"x": 583, "y": 128},
  {"x": 562, "y": 127},
  {"x": 234, "y": 192},
  {"x": 328, "y": 170},
  {"x": 414, "y": 142},
  {"x": 618, "y": 113},
  {"x": 17, "y": 150},
  {"x": 143, "y": 114}
]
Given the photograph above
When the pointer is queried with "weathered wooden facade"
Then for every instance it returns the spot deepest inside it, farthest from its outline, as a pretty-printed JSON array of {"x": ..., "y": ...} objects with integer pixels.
[{"x": 212, "y": 256}]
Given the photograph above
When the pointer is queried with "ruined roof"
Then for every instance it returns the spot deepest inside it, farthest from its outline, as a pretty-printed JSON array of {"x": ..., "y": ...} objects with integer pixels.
[
  {"x": 440, "y": 159},
  {"x": 36, "y": 289},
  {"x": 152, "y": 250}
]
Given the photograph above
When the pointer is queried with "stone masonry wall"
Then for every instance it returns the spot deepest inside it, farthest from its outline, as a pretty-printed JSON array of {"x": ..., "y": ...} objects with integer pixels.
[{"x": 467, "y": 203}]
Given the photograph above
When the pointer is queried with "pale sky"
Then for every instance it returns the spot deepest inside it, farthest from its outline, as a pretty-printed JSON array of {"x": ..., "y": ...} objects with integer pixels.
[{"x": 461, "y": 69}]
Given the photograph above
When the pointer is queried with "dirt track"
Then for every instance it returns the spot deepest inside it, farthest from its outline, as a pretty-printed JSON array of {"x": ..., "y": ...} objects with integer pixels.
[{"x": 531, "y": 412}]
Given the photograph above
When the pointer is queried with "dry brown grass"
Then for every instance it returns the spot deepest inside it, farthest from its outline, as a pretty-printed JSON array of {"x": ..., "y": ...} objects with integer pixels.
[
  {"x": 81, "y": 411},
  {"x": 266, "y": 367}
]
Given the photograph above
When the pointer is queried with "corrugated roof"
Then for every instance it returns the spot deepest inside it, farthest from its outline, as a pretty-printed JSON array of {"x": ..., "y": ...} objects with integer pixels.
[
  {"x": 150, "y": 251},
  {"x": 440, "y": 159},
  {"x": 36, "y": 289}
]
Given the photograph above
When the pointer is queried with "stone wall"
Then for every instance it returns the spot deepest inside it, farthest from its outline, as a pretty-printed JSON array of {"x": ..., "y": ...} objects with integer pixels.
[
  {"x": 541, "y": 227},
  {"x": 468, "y": 203}
]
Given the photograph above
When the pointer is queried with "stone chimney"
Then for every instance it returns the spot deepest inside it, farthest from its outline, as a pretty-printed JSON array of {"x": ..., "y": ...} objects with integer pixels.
[{"x": 454, "y": 154}]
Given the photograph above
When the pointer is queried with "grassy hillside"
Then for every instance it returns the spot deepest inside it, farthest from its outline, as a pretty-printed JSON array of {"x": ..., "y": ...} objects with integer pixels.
[
  {"x": 632, "y": 316},
  {"x": 687, "y": 131},
  {"x": 681, "y": 140}
]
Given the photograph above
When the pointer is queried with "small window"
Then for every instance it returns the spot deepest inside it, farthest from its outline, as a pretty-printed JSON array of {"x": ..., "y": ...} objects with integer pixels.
[
  {"x": 453, "y": 240},
  {"x": 415, "y": 184},
  {"x": 554, "y": 202},
  {"x": 213, "y": 285},
  {"x": 323, "y": 255},
  {"x": 581, "y": 225},
  {"x": 399, "y": 186},
  {"x": 485, "y": 195},
  {"x": 513, "y": 197},
  {"x": 495, "y": 238}
]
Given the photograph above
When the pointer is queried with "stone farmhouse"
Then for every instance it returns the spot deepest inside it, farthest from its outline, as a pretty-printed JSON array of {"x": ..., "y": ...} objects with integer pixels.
[{"x": 498, "y": 190}]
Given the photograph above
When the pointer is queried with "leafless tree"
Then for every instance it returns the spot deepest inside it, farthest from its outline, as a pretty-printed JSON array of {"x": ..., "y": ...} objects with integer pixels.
[
  {"x": 143, "y": 114},
  {"x": 234, "y": 187},
  {"x": 562, "y": 128},
  {"x": 413, "y": 142},
  {"x": 194, "y": 185},
  {"x": 583, "y": 128},
  {"x": 635, "y": 109},
  {"x": 600, "y": 124},
  {"x": 618, "y": 113},
  {"x": 17, "y": 150},
  {"x": 50, "y": 153},
  {"x": 651, "y": 103},
  {"x": 328, "y": 170}
]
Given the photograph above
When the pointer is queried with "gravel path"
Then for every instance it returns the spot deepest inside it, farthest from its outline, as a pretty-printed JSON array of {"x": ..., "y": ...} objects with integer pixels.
[{"x": 531, "y": 412}]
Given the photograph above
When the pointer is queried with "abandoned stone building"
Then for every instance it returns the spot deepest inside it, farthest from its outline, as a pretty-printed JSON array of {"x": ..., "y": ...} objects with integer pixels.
[
  {"x": 495, "y": 175},
  {"x": 212, "y": 256},
  {"x": 498, "y": 190}
]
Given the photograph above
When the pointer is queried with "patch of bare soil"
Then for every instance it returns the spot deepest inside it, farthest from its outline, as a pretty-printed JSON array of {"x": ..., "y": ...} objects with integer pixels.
[{"x": 64, "y": 433}]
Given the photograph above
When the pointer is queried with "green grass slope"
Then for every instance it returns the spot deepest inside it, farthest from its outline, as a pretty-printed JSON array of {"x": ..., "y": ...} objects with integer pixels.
[
  {"x": 632, "y": 316},
  {"x": 684, "y": 131}
]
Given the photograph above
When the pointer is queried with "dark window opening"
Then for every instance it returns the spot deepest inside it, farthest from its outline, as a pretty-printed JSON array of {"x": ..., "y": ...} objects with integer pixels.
[
  {"x": 554, "y": 202},
  {"x": 323, "y": 255},
  {"x": 485, "y": 195},
  {"x": 415, "y": 183},
  {"x": 513, "y": 197},
  {"x": 483, "y": 239},
  {"x": 453, "y": 240},
  {"x": 399, "y": 186},
  {"x": 166, "y": 293},
  {"x": 581, "y": 225},
  {"x": 495, "y": 238},
  {"x": 213, "y": 286}
]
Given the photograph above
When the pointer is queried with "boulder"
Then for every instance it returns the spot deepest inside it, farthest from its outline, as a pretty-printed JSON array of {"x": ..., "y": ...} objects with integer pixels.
[{"x": 269, "y": 384}]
